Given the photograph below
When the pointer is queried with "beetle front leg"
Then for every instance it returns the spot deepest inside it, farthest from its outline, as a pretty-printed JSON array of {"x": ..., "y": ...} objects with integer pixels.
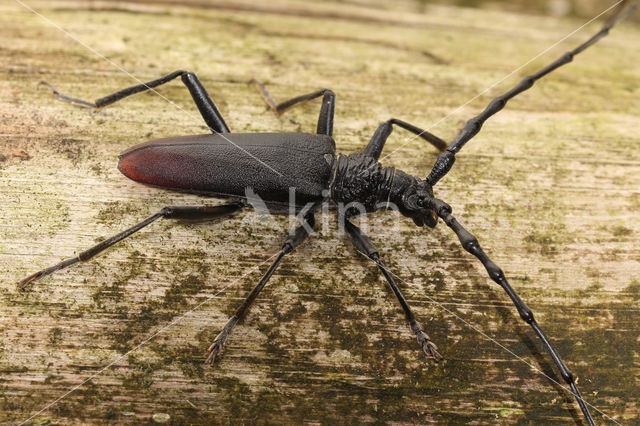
[
  {"x": 362, "y": 243},
  {"x": 294, "y": 240},
  {"x": 181, "y": 213}
]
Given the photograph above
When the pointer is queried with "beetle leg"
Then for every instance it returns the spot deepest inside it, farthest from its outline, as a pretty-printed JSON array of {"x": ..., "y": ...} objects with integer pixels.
[
  {"x": 325, "y": 120},
  {"x": 205, "y": 105},
  {"x": 363, "y": 244},
  {"x": 376, "y": 144},
  {"x": 470, "y": 243},
  {"x": 183, "y": 213},
  {"x": 294, "y": 240}
]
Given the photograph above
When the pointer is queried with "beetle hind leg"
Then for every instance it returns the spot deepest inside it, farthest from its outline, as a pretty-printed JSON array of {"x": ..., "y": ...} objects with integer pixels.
[
  {"x": 206, "y": 106},
  {"x": 180, "y": 213},
  {"x": 325, "y": 120}
]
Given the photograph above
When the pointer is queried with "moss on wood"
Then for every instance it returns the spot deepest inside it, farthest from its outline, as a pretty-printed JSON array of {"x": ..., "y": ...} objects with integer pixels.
[{"x": 550, "y": 186}]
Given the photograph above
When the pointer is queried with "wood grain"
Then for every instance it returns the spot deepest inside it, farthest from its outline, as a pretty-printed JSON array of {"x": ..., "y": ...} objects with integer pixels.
[{"x": 550, "y": 186}]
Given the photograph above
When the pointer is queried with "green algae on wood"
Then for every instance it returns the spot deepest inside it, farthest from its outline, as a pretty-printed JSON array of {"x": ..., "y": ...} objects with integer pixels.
[{"x": 550, "y": 186}]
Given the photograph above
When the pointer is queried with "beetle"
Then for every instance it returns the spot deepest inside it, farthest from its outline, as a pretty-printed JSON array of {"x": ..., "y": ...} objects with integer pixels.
[{"x": 225, "y": 164}]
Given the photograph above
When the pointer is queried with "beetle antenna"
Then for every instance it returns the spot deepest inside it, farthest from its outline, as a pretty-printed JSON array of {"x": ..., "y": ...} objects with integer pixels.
[
  {"x": 470, "y": 243},
  {"x": 472, "y": 127}
]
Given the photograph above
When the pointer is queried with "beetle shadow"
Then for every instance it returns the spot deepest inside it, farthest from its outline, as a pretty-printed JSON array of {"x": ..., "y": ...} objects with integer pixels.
[{"x": 540, "y": 354}]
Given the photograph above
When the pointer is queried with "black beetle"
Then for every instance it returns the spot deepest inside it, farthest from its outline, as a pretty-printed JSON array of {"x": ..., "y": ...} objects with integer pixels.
[{"x": 225, "y": 164}]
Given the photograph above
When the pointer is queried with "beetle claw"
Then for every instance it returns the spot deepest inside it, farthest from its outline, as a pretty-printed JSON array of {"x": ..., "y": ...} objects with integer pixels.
[
  {"x": 218, "y": 343},
  {"x": 33, "y": 277},
  {"x": 217, "y": 346},
  {"x": 214, "y": 350},
  {"x": 429, "y": 348}
]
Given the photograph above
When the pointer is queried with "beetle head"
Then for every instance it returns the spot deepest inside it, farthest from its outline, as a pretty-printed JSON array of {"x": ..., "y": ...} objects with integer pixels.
[{"x": 414, "y": 203}]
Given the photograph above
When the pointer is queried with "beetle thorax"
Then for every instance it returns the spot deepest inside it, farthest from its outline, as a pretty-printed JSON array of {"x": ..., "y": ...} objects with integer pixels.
[{"x": 360, "y": 183}]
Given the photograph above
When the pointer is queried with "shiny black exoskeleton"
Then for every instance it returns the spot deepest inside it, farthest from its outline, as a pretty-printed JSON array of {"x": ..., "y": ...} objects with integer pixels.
[
  {"x": 282, "y": 169},
  {"x": 296, "y": 172}
]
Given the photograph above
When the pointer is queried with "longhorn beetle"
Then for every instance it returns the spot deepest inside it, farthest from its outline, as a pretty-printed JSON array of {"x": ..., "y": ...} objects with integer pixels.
[{"x": 225, "y": 164}]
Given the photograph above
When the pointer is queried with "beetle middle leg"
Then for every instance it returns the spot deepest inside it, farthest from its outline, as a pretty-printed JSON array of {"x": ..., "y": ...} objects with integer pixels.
[
  {"x": 362, "y": 243},
  {"x": 294, "y": 240},
  {"x": 181, "y": 213},
  {"x": 205, "y": 105},
  {"x": 325, "y": 120},
  {"x": 379, "y": 138}
]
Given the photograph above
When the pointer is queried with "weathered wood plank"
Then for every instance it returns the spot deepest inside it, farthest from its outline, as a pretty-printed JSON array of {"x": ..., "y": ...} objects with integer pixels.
[{"x": 550, "y": 186}]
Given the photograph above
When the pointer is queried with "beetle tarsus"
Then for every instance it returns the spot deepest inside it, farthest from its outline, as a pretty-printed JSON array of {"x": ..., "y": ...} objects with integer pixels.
[
  {"x": 49, "y": 85},
  {"x": 47, "y": 271},
  {"x": 266, "y": 96},
  {"x": 218, "y": 343},
  {"x": 429, "y": 348},
  {"x": 33, "y": 277},
  {"x": 325, "y": 121},
  {"x": 214, "y": 350},
  {"x": 63, "y": 97}
]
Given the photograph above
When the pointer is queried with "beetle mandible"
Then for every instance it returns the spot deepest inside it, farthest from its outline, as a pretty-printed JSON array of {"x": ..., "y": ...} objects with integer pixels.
[{"x": 225, "y": 164}]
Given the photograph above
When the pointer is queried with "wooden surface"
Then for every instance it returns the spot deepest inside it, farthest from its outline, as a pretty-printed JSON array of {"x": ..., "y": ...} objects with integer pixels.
[{"x": 550, "y": 186}]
